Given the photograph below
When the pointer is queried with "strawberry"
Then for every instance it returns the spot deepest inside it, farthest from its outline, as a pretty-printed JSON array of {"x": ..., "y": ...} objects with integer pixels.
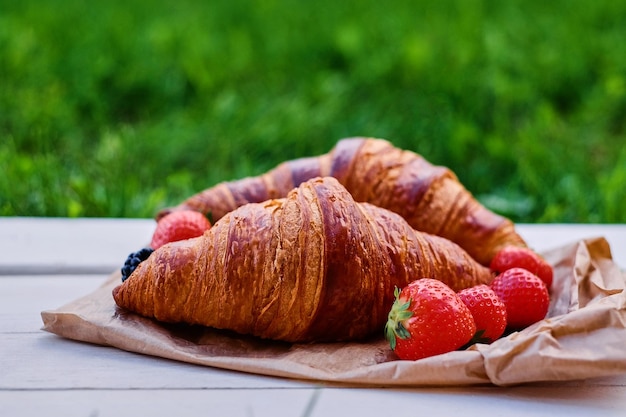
[
  {"x": 519, "y": 257},
  {"x": 428, "y": 318},
  {"x": 525, "y": 296},
  {"x": 179, "y": 225},
  {"x": 488, "y": 310}
]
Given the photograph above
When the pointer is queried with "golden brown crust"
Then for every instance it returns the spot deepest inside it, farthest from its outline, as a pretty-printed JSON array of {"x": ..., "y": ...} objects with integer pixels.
[
  {"x": 429, "y": 197},
  {"x": 314, "y": 266}
]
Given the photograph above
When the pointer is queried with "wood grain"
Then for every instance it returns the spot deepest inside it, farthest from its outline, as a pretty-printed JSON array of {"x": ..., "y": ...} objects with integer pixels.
[{"x": 42, "y": 374}]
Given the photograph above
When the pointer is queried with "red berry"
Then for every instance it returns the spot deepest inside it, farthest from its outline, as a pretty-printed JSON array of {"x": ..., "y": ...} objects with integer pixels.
[
  {"x": 428, "y": 318},
  {"x": 525, "y": 296},
  {"x": 488, "y": 310},
  {"x": 179, "y": 225},
  {"x": 519, "y": 257}
]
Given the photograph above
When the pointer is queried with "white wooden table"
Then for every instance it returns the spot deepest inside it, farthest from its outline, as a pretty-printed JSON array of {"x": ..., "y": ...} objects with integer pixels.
[{"x": 45, "y": 263}]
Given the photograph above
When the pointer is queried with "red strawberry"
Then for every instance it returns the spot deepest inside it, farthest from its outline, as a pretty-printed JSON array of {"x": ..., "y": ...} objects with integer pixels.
[
  {"x": 179, "y": 225},
  {"x": 525, "y": 296},
  {"x": 518, "y": 257},
  {"x": 428, "y": 318},
  {"x": 488, "y": 310}
]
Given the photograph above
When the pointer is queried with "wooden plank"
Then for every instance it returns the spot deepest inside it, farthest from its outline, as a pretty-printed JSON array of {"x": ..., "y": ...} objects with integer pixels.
[
  {"x": 548, "y": 236},
  {"x": 44, "y": 374},
  {"x": 48, "y": 356},
  {"x": 42, "y": 361},
  {"x": 80, "y": 246},
  {"x": 469, "y": 402},
  {"x": 327, "y": 402},
  {"x": 60, "y": 245},
  {"x": 155, "y": 403},
  {"x": 23, "y": 297},
  {"x": 57, "y": 363}
]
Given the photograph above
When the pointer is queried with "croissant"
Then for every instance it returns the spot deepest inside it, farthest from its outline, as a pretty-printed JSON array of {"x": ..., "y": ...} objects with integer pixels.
[
  {"x": 429, "y": 197},
  {"x": 313, "y": 266}
]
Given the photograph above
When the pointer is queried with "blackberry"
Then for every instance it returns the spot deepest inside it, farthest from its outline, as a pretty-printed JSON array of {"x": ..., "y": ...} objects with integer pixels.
[{"x": 133, "y": 260}]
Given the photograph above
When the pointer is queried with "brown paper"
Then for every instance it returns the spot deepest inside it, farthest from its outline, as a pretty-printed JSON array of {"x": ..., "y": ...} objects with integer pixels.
[{"x": 583, "y": 337}]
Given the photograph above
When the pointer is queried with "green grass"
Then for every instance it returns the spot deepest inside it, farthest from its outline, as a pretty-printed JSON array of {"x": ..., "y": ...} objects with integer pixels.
[{"x": 118, "y": 108}]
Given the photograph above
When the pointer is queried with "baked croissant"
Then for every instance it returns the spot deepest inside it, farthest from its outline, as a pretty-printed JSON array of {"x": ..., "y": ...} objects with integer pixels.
[
  {"x": 429, "y": 197},
  {"x": 314, "y": 266}
]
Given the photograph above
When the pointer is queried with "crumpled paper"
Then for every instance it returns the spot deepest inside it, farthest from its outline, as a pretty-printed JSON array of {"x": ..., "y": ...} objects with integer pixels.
[{"x": 583, "y": 336}]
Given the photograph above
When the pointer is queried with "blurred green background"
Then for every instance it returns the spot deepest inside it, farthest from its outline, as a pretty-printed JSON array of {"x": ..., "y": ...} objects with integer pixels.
[{"x": 119, "y": 108}]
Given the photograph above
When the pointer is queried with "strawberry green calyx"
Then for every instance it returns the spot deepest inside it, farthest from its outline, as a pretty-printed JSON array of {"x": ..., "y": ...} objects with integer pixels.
[
  {"x": 398, "y": 314},
  {"x": 477, "y": 338}
]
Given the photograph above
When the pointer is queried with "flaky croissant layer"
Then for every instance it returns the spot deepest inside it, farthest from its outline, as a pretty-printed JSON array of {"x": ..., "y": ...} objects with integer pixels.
[
  {"x": 429, "y": 197},
  {"x": 314, "y": 266}
]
